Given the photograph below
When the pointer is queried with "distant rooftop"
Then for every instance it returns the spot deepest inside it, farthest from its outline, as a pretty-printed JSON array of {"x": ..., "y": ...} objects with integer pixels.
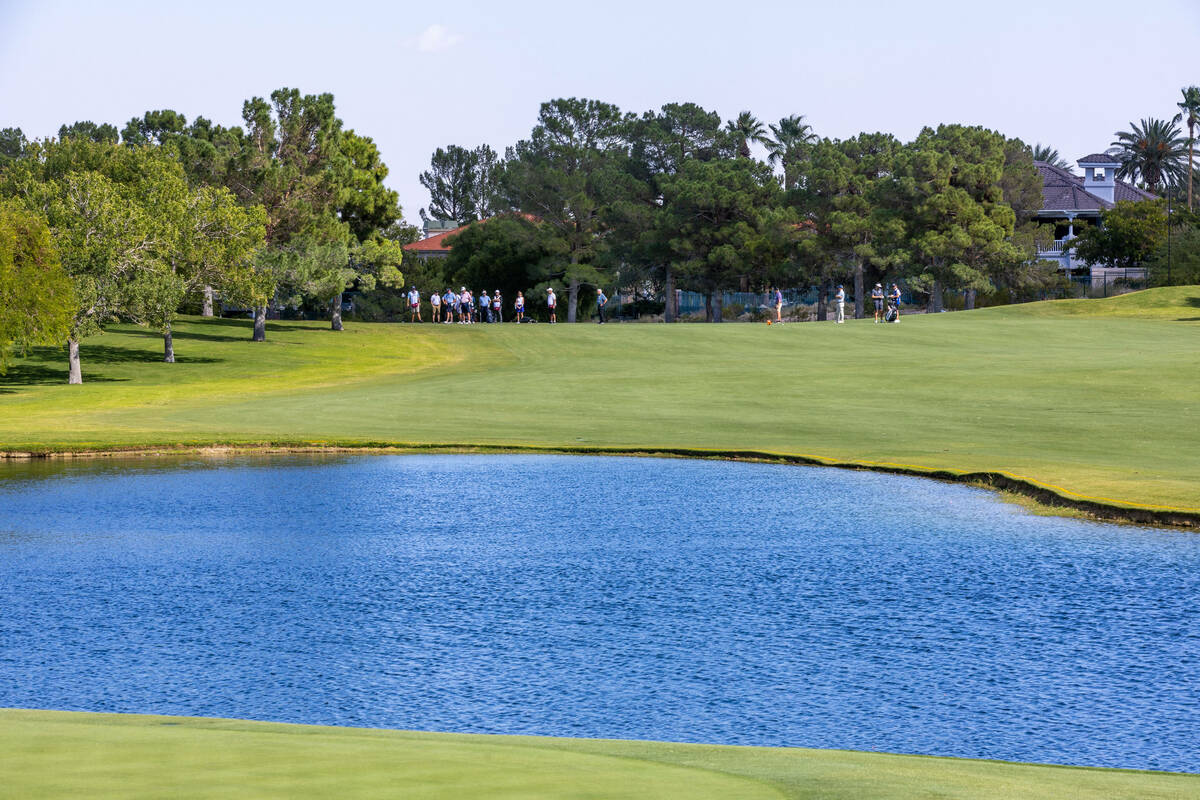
[
  {"x": 1062, "y": 190},
  {"x": 1099, "y": 158}
]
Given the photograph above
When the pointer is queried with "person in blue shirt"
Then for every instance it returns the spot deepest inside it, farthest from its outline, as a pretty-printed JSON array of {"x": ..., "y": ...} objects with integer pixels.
[
  {"x": 485, "y": 307},
  {"x": 601, "y": 302},
  {"x": 894, "y": 296},
  {"x": 840, "y": 299},
  {"x": 778, "y": 305}
]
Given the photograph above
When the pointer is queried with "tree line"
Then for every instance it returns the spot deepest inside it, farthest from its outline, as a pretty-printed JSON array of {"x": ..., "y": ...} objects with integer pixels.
[
  {"x": 674, "y": 198},
  {"x": 98, "y": 225}
]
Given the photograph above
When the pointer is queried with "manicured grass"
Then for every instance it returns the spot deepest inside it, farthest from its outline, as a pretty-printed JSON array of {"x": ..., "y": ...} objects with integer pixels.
[
  {"x": 60, "y": 754},
  {"x": 1099, "y": 397}
]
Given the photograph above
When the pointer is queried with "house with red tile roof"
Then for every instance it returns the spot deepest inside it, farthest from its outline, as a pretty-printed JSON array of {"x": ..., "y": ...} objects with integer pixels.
[{"x": 436, "y": 246}]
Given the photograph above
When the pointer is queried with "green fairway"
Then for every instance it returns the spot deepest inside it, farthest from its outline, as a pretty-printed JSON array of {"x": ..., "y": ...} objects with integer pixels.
[
  {"x": 1099, "y": 398},
  {"x": 60, "y": 754}
]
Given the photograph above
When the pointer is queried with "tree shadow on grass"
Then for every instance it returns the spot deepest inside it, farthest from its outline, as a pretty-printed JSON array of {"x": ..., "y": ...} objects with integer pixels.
[
  {"x": 104, "y": 354},
  {"x": 1194, "y": 302},
  {"x": 47, "y": 366},
  {"x": 186, "y": 335},
  {"x": 27, "y": 374},
  {"x": 248, "y": 325}
]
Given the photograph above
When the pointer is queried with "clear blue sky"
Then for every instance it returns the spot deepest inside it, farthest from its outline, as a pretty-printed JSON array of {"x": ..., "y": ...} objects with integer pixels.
[{"x": 415, "y": 76}]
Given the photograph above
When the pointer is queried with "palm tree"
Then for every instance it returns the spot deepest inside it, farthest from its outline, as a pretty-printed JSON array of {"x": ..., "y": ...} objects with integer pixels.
[
  {"x": 1191, "y": 118},
  {"x": 1153, "y": 151},
  {"x": 792, "y": 137},
  {"x": 747, "y": 130},
  {"x": 1044, "y": 152}
]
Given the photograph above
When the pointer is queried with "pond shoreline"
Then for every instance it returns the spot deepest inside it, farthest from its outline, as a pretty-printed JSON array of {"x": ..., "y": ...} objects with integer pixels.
[{"x": 1052, "y": 499}]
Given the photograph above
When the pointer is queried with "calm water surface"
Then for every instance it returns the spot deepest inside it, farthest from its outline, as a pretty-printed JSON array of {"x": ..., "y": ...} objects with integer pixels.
[{"x": 603, "y": 597}]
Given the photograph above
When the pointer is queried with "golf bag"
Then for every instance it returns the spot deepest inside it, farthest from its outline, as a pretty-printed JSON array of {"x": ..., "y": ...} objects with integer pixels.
[{"x": 892, "y": 313}]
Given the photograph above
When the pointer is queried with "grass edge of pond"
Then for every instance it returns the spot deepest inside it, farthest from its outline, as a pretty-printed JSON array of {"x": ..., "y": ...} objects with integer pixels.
[{"x": 1033, "y": 495}]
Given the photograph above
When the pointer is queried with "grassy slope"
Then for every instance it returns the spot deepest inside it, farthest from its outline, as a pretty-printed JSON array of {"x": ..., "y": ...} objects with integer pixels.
[
  {"x": 59, "y": 754},
  {"x": 1100, "y": 397}
]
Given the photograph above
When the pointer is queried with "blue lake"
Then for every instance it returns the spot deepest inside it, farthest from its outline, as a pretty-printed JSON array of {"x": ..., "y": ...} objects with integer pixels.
[{"x": 600, "y": 597}]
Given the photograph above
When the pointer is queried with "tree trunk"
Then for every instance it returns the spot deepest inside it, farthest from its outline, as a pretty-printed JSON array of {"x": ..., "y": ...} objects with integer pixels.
[
  {"x": 1191, "y": 161},
  {"x": 708, "y": 307},
  {"x": 260, "y": 324},
  {"x": 336, "y": 319},
  {"x": 935, "y": 297},
  {"x": 572, "y": 300},
  {"x": 168, "y": 346},
  {"x": 74, "y": 373},
  {"x": 969, "y": 300},
  {"x": 858, "y": 289},
  {"x": 670, "y": 312},
  {"x": 718, "y": 306},
  {"x": 823, "y": 303},
  {"x": 207, "y": 309}
]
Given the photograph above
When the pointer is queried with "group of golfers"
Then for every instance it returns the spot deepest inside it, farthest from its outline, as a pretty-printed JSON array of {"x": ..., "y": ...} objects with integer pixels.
[
  {"x": 878, "y": 296},
  {"x": 463, "y": 308}
]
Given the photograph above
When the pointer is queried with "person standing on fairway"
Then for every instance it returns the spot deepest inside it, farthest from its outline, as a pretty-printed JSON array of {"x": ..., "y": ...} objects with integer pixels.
[
  {"x": 552, "y": 303},
  {"x": 519, "y": 307},
  {"x": 435, "y": 303},
  {"x": 601, "y": 302},
  {"x": 778, "y": 305},
  {"x": 840, "y": 299},
  {"x": 895, "y": 298},
  {"x": 414, "y": 305},
  {"x": 497, "y": 307},
  {"x": 485, "y": 307},
  {"x": 450, "y": 301},
  {"x": 877, "y": 296}
]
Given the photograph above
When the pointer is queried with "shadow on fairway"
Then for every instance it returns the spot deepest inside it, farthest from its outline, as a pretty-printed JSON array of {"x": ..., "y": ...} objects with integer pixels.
[
  {"x": 194, "y": 336},
  {"x": 103, "y": 354},
  {"x": 47, "y": 366},
  {"x": 45, "y": 375},
  {"x": 247, "y": 325}
]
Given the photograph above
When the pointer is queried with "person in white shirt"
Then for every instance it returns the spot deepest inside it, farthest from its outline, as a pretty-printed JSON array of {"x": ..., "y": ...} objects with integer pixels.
[
  {"x": 435, "y": 302},
  {"x": 497, "y": 308},
  {"x": 519, "y": 307},
  {"x": 414, "y": 305},
  {"x": 464, "y": 305},
  {"x": 840, "y": 299},
  {"x": 552, "y": 304}
]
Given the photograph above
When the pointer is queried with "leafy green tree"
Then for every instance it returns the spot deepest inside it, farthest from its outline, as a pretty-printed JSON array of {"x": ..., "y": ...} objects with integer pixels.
[
  {"x": 745, "y": 131},
  {"x": 215, "y": 241},
  {"x": 1180, "y": 263},
  {"x": 842, "y": 195},
  {"x": 659, "y": 143},
  {"x": 1046, "y": 153},
  {"x": 1190, "y": 109},
  {"x": 12, "y": 145},
  {"x": 714, "y": 215},
  {"x": 365, "y": 204},
  {"x": 36, "y": 296},
  {"x": 87, "y": 130},
  {"x": 1152, "y": 151},
  {"x": 1129, "y": 233},
  {"x": 291, "y": 163},
  {"x": 508, "y": 252},
  {"x": 566, "y": 174},
  {"x": 461, "y": 183},
  {"x": 958, "y": 226},
  {"x": 789, "y": 145}
]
